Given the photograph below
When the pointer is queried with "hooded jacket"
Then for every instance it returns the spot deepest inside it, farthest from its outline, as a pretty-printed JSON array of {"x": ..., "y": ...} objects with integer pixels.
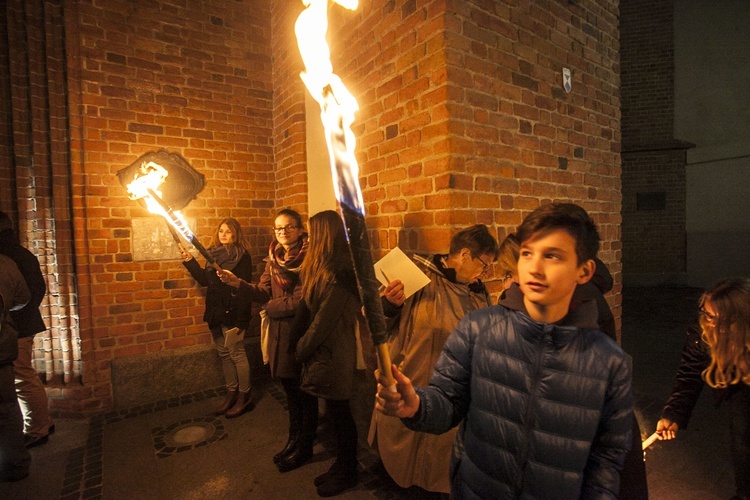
[
  {"x": 28, "y": 320},
  {"x": 546, "y": 408}
]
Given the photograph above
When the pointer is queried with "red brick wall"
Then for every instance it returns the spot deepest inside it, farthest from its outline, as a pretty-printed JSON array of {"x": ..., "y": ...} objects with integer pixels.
[
  {"x": 463, "y": 118},
  {"x": 193, "y": 78}
]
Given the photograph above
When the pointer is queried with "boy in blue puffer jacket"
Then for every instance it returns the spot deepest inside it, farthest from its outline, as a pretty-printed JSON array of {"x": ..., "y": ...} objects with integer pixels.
[{"x": 543, "y": 397}]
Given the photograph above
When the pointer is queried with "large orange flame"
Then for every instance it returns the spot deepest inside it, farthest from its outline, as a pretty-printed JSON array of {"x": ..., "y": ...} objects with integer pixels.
[
  {"x": 146, "y": 185},
  {"x": 337, "y": 104}
]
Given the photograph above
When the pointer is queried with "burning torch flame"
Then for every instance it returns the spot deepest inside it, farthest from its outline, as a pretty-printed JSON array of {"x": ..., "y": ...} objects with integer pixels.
[
  {"x": 337, "y": 104},
  {"x": 337, "y": 108},
  {"x": 145, "y": 186}
]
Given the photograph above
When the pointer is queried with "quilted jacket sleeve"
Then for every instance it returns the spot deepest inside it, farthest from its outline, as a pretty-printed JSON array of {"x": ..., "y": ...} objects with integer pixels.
[
  {"x": 601, "y": 478},
  {"x": 445, "y": 402}
]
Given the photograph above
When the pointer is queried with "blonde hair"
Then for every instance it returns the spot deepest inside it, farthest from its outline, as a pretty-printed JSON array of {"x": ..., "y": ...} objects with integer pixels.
[
  {"x": 728, "y": 337},
  {"x": 327, "y": 252},
  {"x": 507, "y": 258},
  {"x": 239, "y": 236}
]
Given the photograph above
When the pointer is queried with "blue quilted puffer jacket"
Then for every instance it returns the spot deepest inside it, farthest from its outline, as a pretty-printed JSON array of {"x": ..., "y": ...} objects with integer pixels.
[{"x": 545, "y": 409}]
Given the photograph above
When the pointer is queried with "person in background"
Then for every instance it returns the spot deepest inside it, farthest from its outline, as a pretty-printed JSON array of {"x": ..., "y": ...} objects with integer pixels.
[
  {"x": 280, "y": 290},
  {"x": 32, "y": 397},
  {"x": 329, "y": 347},
  {"x": 424, "y": 322},
  {"x": 225, "y": 310},
  {"x": 15, "y": 460},
  {"x": 507, "y": 260},
  {"x": 543, "y": 398},
  {"x": 633, "y": 481},
  {"x": 717, "y": 352}
]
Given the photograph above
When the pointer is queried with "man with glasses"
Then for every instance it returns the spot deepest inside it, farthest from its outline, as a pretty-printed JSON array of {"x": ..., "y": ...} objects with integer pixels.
[{"x": 421, "y": 325}]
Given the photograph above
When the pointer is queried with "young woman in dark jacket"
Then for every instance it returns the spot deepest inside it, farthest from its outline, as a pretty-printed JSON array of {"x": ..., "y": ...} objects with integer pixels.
[
  {"x": 718, "y": 353},
  {"x": 329, "y": 347},
  {"x": 280, "y": 290},
  {"x": 225, "y": 310}
]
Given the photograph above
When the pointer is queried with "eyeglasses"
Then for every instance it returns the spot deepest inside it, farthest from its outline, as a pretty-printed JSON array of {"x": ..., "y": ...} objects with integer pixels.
[
  {"x": 484, "y": 264},
  {"x": 286, "y": 229},
  {"x": 710, "y": 318}
]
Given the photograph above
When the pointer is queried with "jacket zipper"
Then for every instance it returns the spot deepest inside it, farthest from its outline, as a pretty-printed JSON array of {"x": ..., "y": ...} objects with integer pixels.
[{"x": 524, "y": 455}]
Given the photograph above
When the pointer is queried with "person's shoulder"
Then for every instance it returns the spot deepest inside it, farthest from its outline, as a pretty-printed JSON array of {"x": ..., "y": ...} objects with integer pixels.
[
  {"x": 601, "y": 342},
  {"x": 490, "y": 317}
]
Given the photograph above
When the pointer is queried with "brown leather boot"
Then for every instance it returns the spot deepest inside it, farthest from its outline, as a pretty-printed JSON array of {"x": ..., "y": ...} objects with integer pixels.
[
  {"x": 244, "y": 403},
  {"x": 228, "y": 403}
]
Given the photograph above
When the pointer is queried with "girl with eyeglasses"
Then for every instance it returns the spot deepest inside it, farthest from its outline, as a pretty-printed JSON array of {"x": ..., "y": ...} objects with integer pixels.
[
  {"x": 280, "y": 291},
  {"x": 717, "y": 353},
  {"x": 225, "y": 310}
]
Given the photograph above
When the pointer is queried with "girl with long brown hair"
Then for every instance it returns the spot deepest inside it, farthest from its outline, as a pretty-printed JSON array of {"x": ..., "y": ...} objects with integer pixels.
[
  {"x": 328, "y": 346},
  {"x": 718, "y": 353},
  {"x": 225, "y": 310}
]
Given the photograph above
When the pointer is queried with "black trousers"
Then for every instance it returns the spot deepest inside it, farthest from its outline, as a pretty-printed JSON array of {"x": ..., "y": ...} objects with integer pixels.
[
  {"x": 345, "y": 431},
  {"x": 739, "y": 434},
  {"x": 303, "y": 411}
]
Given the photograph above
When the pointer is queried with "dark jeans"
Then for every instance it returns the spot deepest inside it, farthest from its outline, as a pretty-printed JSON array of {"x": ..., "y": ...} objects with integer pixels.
[
  {"x": 739, "y": 435},
  {"x": 303, "y": 411},
  {"x": 346, "y": 434},
  {"x": 14, "y": 457}
]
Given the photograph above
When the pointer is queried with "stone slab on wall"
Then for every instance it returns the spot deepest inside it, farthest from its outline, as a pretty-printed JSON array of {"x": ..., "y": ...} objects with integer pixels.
[{"x": 140, "y": 380}]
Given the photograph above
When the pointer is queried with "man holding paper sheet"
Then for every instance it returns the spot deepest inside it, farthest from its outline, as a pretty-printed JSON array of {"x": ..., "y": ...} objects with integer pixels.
[{"x": 424, "y": 317}]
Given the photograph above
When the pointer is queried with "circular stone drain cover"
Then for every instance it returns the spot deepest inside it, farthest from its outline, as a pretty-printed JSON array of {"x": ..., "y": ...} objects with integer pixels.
[
  {"x": 187, "y": 435},
  {"x": 192, "y": 434}
]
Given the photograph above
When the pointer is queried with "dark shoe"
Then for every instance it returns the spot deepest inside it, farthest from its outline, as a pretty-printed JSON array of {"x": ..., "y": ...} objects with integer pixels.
[
  {"x": 336, "y": 468},
  {"x": 297, "y": 459},
  {"x": 33, "y": 441},
  {"x": 338, "y": 482},
  {"x": 244, "y": 403},
  {"x": 288, "y": 449},
  {"x": 51, "y": 429},
  {"x": 228, "y": 403}
]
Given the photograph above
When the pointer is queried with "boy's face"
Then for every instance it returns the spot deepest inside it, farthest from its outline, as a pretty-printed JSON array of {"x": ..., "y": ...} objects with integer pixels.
[{"x": 548, "y": 273}]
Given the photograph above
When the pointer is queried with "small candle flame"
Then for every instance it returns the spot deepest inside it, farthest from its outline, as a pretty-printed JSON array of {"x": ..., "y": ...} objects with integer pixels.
[
  {"x": 337, "y": 104},
  {"x": 146, "y": 185}
]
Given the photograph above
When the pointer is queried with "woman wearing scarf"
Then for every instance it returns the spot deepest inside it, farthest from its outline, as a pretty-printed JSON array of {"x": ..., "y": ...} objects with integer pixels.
[
  {"x": 226, "y": 310},
  {"x": 280, "y": 290}
]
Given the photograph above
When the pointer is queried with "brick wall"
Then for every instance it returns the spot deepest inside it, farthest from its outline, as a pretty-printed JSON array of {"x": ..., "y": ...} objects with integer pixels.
[
  {"x": 462, "y": 120},
  {"x": 193, "y": 78},
  {"x": 653, "y": 161}
]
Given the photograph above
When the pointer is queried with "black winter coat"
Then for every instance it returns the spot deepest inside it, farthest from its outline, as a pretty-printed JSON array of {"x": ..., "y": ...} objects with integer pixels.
[
  {"x": 223, "y": 306},
  {"x": 327, "y": 348},
  {"x": 28, "y": 321},
  {"x": 548, "y": 408},
  {"x": 689, "y": 380}
]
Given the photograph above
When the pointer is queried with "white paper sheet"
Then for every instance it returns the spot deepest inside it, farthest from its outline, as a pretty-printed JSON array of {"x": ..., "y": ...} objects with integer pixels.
[
  {"x": 232, "y": 336},
  {"x": 397, "y": 266}
]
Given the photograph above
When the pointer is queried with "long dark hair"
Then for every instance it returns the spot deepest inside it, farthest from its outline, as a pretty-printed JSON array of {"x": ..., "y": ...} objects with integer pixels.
[
  {"x": 728, "y": 335},
  {"x": 239, "y": 236},
  {"x": 326, "y": 254}
]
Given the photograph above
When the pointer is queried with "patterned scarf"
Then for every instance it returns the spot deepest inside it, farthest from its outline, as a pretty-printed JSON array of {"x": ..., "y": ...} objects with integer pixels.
[
  {"x": 227, "y": 256},
  {"x": 285, "y": 264}
]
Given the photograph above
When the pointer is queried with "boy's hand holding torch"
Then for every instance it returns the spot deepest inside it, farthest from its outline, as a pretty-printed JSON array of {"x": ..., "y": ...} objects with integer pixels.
[{"x": 402, "y": 403}]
